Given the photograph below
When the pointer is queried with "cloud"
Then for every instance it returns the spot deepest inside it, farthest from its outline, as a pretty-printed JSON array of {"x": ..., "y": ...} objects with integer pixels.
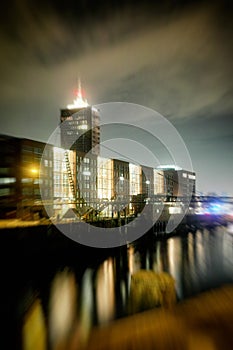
[{"x": 174, "y": 63}]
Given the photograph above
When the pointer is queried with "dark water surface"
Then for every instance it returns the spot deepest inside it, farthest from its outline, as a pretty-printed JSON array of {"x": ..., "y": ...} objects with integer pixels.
[{"x": 90, "y": 286}]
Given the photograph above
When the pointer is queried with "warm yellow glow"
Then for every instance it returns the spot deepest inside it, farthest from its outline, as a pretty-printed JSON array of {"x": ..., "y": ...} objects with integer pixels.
[
  {"x": 105, "y": 293},
  {"x": 62, "y": 308},
  {"x": 158, "y": 181},
  {"x": 131, "y": 259},
  {"x": 135, "y": 172},
  {"x": 105, "y": 178},
  {"x": 34, "y": 329},
  {"x": 34, "y": 171},
  {"x": 83, "y": 127}
]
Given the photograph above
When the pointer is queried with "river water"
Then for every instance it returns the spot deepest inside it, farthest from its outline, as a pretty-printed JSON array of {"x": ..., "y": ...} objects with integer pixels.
[{"x": 88, "y": 287}]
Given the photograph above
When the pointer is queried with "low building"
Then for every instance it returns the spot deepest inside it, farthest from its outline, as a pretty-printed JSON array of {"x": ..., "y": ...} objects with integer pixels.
[
  {"x": 178, "y": 182},
  {"x": 21, "y": 174},
  {"x": 33, "y": 173}
]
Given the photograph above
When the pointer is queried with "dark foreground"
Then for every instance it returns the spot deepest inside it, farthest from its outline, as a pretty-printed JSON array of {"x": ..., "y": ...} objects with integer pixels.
[
  {"x": 61, "y": 295},
  {"x": 204, "y": 322}
]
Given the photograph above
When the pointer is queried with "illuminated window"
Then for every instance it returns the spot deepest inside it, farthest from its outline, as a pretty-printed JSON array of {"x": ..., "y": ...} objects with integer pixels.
[
  {"x": 159, "y": 182},
  {"x": 105, "y": 178},
  {"x": 26, "y": 180},
  {"x": 135, "y": 172},
  {"x": 7, "y": 180}
]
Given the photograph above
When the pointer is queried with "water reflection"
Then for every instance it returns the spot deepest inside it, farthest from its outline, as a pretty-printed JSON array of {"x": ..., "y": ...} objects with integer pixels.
[
  {"x": 34, "y": 332},
  {"x": 62, "y": 308},
  {"x": 105, "y": 292},
  {"x": 86, "y": 306},
  {"x": 175, "y": 263},
  {"x": 100, "y": 293}
]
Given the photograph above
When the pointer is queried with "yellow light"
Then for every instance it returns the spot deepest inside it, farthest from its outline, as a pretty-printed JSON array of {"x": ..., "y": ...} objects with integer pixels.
[{"x": 34, "y": 171}]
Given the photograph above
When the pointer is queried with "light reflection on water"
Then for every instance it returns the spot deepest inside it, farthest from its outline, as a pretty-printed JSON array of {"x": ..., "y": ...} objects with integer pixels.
[
  {"x": 197, "y": 262},
  {"x": 62, "y": 306},
  {"x": 105, "y": 292},
  {"x": 174, "y": 253}
]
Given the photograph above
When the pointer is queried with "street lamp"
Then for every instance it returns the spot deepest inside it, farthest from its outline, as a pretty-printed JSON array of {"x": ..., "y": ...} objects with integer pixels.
[
  {"x": 34, "y": 174},
  {"x": 34, "y": 171}
]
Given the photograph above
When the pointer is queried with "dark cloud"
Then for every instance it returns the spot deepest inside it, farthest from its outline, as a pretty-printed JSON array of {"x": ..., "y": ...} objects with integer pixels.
[{"x": 175, "y": 58}]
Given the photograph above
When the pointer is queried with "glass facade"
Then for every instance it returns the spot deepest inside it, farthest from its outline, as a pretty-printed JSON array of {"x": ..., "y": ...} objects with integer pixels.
[
  {"x": 80, "y": 129},
  {"x": 120, "y": 180},
  {"x": 135, "y": 179},
  {"x": 159, "y": 182},
  {"x": 86, "y": 180},
  {"x": 105, "y": 186},
  {"x": 100, "y": 186},
  {"x": 105, "y": 178},
  {"x": 64, "y": 163},
  {"x": 147, "y": 181}
]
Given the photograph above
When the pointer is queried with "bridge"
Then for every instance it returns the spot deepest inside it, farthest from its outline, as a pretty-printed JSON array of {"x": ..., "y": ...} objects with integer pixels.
[{"x": 198, "y": 209}]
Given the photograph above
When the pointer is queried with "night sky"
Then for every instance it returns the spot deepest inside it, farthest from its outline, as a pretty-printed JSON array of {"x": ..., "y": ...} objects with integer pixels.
[{"x": 176, "y": 58}]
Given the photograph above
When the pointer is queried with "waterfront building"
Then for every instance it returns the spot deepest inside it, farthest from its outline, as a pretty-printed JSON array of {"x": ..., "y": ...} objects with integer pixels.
[
  {"x": 20, "y": 176},
  {"x": 178, "y": 182},
  {"x": 74, "y": 176},
  {"x": 69, "y": 178}
]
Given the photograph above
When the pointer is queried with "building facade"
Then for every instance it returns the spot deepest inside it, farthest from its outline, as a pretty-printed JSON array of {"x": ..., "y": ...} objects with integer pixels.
[
  {"x": 80, "y": 132},
  {"x": 80, "y": 129},
  {"x": 21, "y": 174},
  {"x": 33, "y": 173},
  {"x": 75, "y": 176},
  {"x": 178, "y": 182}
]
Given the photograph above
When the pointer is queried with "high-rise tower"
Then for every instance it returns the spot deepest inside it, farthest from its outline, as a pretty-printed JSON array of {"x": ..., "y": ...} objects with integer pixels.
[
  {"x": 80, "y": 132},
  {"x": 80, "y": 126}
]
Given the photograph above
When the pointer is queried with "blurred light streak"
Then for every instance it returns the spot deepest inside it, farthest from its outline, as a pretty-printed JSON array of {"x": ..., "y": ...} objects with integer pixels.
[
  {"x": 175, "y": 260},
  {"x": 34, "y": 332},
  {"x": 105, "y": 292},
  {"x": 62, "y": 308},
  {"x": 86, "y": 307}
]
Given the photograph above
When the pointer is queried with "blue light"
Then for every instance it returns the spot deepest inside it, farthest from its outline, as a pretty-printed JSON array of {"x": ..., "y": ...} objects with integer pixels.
[{"x": 214, "y": 208}]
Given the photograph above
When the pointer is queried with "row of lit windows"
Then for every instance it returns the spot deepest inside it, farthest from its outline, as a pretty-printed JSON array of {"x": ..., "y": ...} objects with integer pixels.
[
  {"x": 48, "y": 163},
  {"x": 87, "y": 185},
  {"x": 7, "y": 180}
]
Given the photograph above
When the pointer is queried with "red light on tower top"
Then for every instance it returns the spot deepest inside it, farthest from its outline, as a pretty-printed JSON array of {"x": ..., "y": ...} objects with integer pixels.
[
  {"x": 79, "y": 101},
  {"x": 76, "y": 92}
]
